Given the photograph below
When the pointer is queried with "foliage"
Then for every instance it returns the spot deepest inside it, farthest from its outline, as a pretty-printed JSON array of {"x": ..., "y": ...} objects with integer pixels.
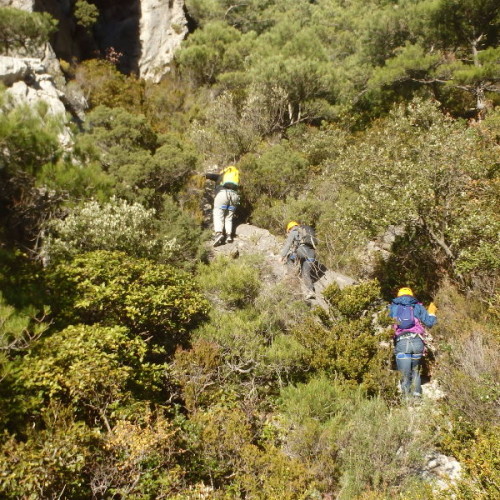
[
  {"x": 116, "y": 225},
  {"x": 139, "y": 458},
  {"x": 86, "y": 14},
  {"x": 340, "y": 114},
  {"x": 382, "y": 449},
  {"x": 277, "y": 173},
  {"x": 143, "y": 164},
  {"x": 225, "y": 447},
  {"x": 103, "y": 85},
  {"x": 50, "y": 461},
  {"x": 114, "y": 289},
  {"x": 447, "y": 162},
  {"x": 354, "y": 300},
  {"x": 24, "y": 30},
  {"x": 230, "y": 283},
  {"x": 212, "y": 50},
  {"x": 468, "y": 373},
  {"x": 88, "y": 368},
  {"x": 28, "y": 139}
]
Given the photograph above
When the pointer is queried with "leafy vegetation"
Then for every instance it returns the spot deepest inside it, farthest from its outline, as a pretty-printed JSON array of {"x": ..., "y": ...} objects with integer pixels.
[{"x": 133, "y": 364}]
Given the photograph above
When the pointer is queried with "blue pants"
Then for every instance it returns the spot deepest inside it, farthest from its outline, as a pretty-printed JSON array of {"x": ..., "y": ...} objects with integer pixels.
[{"x": 409, "y": 352}]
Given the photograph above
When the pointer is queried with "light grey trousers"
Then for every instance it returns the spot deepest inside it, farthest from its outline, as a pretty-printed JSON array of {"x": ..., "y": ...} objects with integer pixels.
[{"x": 225, "y": 204}]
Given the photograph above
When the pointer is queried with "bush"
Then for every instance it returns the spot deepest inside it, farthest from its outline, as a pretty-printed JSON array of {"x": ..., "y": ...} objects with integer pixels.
[
  {"x": 86, "y": 14},
  {"x": 114, "y": 289},
  {"x": 382, "y": 450},
  {"x": 277, "y": 173},
  {"x": 24, "y": 30},
  {"x": 231, "y": 283},
  {"x": 315, "y": 414},
  {"x": 49, "y": 460},
  {"x": 104, "y": 85},
  {"x": 353, "y": 301},
  {"x": 116, "y": 225},
  {"x": 88, "y": 368}
]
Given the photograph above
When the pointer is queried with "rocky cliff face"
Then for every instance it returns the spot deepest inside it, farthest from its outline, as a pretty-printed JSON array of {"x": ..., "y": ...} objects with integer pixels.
[
  {"x": 163, "y": 26},
  {"x": 146, "y": 33},
  {"x": 28, "y": 83}
]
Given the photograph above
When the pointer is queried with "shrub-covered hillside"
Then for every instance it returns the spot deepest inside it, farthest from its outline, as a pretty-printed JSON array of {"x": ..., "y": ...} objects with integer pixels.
[{"x": 135, "y": 363}]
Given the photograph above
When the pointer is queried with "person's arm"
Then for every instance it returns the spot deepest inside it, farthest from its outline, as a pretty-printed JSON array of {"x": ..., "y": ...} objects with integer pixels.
[
  {"x": 212, "y": 177},
  {"x": 424, "y": 316},
  {"x": 392, "y": 310},
  {"x": 288, "y": 244}
]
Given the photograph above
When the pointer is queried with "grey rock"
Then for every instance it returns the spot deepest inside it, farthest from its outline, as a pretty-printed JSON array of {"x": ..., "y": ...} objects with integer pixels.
[
  {"x": 251, "y": 240},
  {"x": 163, "y": 26}
]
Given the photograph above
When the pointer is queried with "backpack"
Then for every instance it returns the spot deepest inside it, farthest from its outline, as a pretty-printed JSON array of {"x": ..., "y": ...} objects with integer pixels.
[
  {"x": 405, "y": 317},
  {"x": 230, "y": 177},
  {"x": 307, "y": 236}
]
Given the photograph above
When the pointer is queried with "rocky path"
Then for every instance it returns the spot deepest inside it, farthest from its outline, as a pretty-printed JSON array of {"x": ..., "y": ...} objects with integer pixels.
[{"x": 252, "y": 240}]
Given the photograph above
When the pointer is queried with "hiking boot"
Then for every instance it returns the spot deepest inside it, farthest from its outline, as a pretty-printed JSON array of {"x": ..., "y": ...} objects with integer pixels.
[
  {"x": 218, "y": 239},
  {"x": 229, "y": 239}
]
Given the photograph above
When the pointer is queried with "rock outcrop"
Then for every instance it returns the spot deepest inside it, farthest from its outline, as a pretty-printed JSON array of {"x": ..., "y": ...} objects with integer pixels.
[
  {"x": 144, "y": 33},
  {"x": 254, "y": 240},
  {"x": 28, "y": 82}
]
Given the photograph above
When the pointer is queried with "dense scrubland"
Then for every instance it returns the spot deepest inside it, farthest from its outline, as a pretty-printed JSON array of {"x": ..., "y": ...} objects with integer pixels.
[{"x": 134, "y": 366}]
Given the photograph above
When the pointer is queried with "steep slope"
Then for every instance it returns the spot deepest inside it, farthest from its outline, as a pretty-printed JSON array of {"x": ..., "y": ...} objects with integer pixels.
[{"x": 254, "y": 240}]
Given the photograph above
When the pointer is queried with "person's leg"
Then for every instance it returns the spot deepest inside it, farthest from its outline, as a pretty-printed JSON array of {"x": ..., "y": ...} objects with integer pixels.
[
  {"x": 220, "y": 202},
  {"x": 233, "y": 201},
  {"x": 416, "y": 347},
  {"x": 416, "y": 359},
  {"x": 403, "y": 362},
  {"x": 307, "y": 259}
]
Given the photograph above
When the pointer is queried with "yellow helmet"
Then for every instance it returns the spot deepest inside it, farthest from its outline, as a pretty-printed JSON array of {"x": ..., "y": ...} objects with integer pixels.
[
  {"x": 405, "y": 291},
  {"x": 290, "y": 225}
]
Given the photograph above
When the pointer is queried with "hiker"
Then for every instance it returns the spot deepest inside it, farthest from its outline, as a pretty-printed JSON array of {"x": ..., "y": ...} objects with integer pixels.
[
  {"x": 300, "y": 247},
  {"x": 409, "y": 335},
  {"x": 225, "y": 202}
]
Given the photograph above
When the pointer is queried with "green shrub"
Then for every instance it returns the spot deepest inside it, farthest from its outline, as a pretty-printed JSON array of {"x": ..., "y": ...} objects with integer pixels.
[
  {"x": 89, "y": 368},
  {"x": 114, "y": 289},
  {"x": 231, "y": 283},
  {"x": 230, "y": 461},
  {"x": 86, "y": 14},
  {"x": 104, "y": 85},
  {"x": 354, "y": 300},
  {"x": 275, "y": 174},
  {"x": 24, "y": 30},
  {"x": 49, "y": 460},
  {"x": 197, "y": 371},
  {"x": 116, "y": 225},
  {"x": 315, "y": 414},
  {"x": 382, "y": 449}
]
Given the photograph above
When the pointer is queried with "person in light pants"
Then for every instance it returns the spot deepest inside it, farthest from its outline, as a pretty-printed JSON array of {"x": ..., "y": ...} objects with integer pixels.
[{"x": 225, "y": 203}]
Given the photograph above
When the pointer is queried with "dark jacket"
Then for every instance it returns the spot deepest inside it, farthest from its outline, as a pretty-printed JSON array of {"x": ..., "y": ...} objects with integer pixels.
[{"x": 419, "y": 312}]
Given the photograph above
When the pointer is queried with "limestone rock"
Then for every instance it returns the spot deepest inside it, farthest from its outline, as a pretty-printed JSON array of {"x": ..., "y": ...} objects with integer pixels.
[
  {"x": 12, "y": 70},
  {"x": 251, "y": 240},
  {"x": 28, "y": 83},
  {"x": 442, "y": 471},
  {"x": 19, "y": 4},
  {"x": 163, "y": 26}
]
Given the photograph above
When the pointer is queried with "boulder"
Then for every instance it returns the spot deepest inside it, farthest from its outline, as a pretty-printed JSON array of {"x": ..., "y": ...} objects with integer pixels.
[{"x": 253, "y": 240}]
